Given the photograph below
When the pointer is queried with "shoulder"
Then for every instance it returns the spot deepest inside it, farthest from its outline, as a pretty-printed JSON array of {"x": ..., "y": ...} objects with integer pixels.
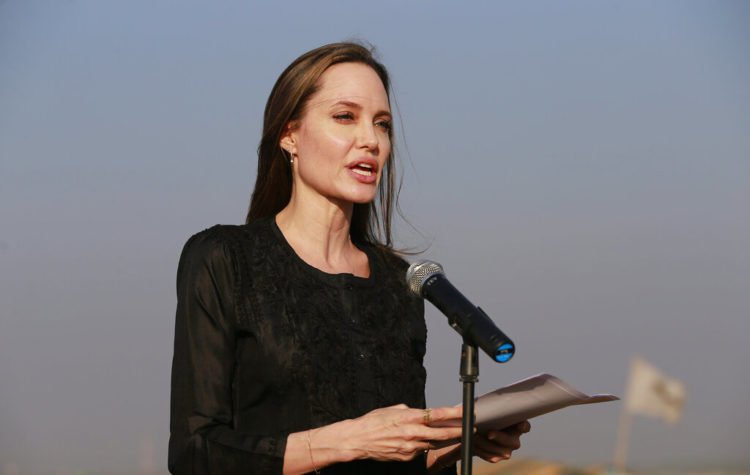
[
  {"x": 223, "y": 237},
  {"x": 204, "y": 252},
  {"x": 223, "y": 244},
  {"x": 209, "y": 242}
]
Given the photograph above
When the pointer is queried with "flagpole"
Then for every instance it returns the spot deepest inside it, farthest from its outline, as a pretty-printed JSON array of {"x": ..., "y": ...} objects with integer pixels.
[
  {"x": 623, "y": 438},
  {"x": 619, "y": 461}
]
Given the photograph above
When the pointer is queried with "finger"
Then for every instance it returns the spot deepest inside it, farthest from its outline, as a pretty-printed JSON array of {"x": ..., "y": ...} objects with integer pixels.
[
  {"x": 490, "y": 451},
  {"x": 439, "y": 414},
  {"x": 436, "y": 416},
  {"x": 441, "y": 444},
  {"x": 513, "y": 431},
  {"x": 491, "y": 456},
  {"x": 495, "y": 446},
  {"x": 523, "y": 427},
  {"x": 440, "y": 433},
  {"x": 520, "y": 428},
  {"x": 503, "y": 439}
]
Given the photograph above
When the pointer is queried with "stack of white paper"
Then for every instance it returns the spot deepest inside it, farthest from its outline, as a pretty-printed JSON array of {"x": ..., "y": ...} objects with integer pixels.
[{"x": 528, "y": 398}]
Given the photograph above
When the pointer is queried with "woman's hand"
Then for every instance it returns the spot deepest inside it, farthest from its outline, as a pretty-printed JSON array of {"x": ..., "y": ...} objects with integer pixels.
[
  {"x": 396, "y": 433},
  {"x": 493, "y": 446},
  {"x": 497, "y": 445}
]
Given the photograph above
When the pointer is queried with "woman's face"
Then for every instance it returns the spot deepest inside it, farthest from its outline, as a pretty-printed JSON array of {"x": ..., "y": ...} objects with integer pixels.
[{"x": 342, "y": 141}]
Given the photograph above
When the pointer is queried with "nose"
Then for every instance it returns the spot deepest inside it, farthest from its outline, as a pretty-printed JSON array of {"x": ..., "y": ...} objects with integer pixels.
[{"x": 367, "y": 137}]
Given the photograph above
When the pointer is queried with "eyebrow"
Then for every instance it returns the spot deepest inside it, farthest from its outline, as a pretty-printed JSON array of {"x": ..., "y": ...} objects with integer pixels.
[{"x": 354, "y": 105}]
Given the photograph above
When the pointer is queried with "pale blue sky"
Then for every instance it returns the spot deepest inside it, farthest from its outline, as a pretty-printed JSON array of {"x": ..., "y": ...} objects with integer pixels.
[{"x": 580, "y": 168}]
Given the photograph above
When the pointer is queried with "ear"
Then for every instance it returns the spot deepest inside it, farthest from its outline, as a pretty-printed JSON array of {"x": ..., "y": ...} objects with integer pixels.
[{"x": 288, "y": 140}]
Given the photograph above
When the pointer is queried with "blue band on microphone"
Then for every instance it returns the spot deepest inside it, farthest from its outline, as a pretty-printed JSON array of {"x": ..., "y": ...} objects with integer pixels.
[{"x": 505, "y": 353}]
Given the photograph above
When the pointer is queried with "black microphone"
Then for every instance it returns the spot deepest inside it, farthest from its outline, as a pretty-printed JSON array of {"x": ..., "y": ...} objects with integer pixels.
[{"x": 428, "y": 280}]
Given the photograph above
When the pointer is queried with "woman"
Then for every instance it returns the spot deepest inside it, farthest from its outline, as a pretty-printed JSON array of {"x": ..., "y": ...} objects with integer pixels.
[{"x": 298, "y": 347}]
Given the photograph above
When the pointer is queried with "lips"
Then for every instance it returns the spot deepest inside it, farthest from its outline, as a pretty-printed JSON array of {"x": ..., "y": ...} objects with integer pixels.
[{"x": 365, "y": 170}]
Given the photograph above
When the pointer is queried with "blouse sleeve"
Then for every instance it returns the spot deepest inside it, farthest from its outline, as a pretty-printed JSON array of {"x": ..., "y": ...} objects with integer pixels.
[{"x": 202, "y": 435}]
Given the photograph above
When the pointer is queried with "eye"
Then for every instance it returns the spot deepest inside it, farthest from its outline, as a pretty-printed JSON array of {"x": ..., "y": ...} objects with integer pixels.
[
  {"x": 344, "y": 116},
  {"x": 384, "y": 124}
]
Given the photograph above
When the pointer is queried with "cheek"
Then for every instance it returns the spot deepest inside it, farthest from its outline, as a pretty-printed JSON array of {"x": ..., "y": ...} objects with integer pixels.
[
  {"x": 322, "y": 152},
  {"x": 338, "y": 139},
  {"x": 326, "y": 141}
]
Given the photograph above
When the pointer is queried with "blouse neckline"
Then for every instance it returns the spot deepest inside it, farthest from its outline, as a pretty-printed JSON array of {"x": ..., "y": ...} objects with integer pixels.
[{"x": 336, "y": 280}]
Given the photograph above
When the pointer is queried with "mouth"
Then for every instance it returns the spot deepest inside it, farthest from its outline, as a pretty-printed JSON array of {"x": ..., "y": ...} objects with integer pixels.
[{"x": 365, "y": 168}]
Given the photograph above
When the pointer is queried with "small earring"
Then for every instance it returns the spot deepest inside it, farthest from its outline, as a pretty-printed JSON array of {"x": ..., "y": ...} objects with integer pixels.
[{"x": 291, "y": 157}]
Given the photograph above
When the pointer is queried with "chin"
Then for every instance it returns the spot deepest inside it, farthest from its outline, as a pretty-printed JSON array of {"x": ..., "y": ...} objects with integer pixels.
[
  {"x": 362, "y": 200},
  {"x": 360, "y": 196}
]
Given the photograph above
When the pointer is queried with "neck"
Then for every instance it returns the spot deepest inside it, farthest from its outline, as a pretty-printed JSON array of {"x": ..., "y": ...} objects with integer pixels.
[{"x": 318, "y": 230}]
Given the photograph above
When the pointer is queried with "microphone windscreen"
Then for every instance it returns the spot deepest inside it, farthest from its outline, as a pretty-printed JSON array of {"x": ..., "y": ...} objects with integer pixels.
[{"x": 419, "y": 272}]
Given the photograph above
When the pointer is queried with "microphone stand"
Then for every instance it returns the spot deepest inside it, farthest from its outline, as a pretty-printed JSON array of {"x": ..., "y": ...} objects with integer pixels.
[
  {"x": 427, "y": 280},
  {"x": 469, "y": 376}
]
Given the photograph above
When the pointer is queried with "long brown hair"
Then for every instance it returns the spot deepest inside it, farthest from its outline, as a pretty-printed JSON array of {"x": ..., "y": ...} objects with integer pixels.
[{"x": 371, "y": 222}]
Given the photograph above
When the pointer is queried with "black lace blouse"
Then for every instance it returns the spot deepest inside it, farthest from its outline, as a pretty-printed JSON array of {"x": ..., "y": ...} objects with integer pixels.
[{"x": 266, "y": 345}]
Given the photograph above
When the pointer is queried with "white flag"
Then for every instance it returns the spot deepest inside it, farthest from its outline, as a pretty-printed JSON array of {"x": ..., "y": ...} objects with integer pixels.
[{"x": 652, "y": 394}]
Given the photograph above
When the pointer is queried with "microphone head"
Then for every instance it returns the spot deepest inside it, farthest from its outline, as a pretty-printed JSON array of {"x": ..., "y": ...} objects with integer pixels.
[{"x": 419, "y": 272}]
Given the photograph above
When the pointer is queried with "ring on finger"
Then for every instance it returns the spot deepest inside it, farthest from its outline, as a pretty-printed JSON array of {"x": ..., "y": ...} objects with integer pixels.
[{"x": 427, "y": 416}]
